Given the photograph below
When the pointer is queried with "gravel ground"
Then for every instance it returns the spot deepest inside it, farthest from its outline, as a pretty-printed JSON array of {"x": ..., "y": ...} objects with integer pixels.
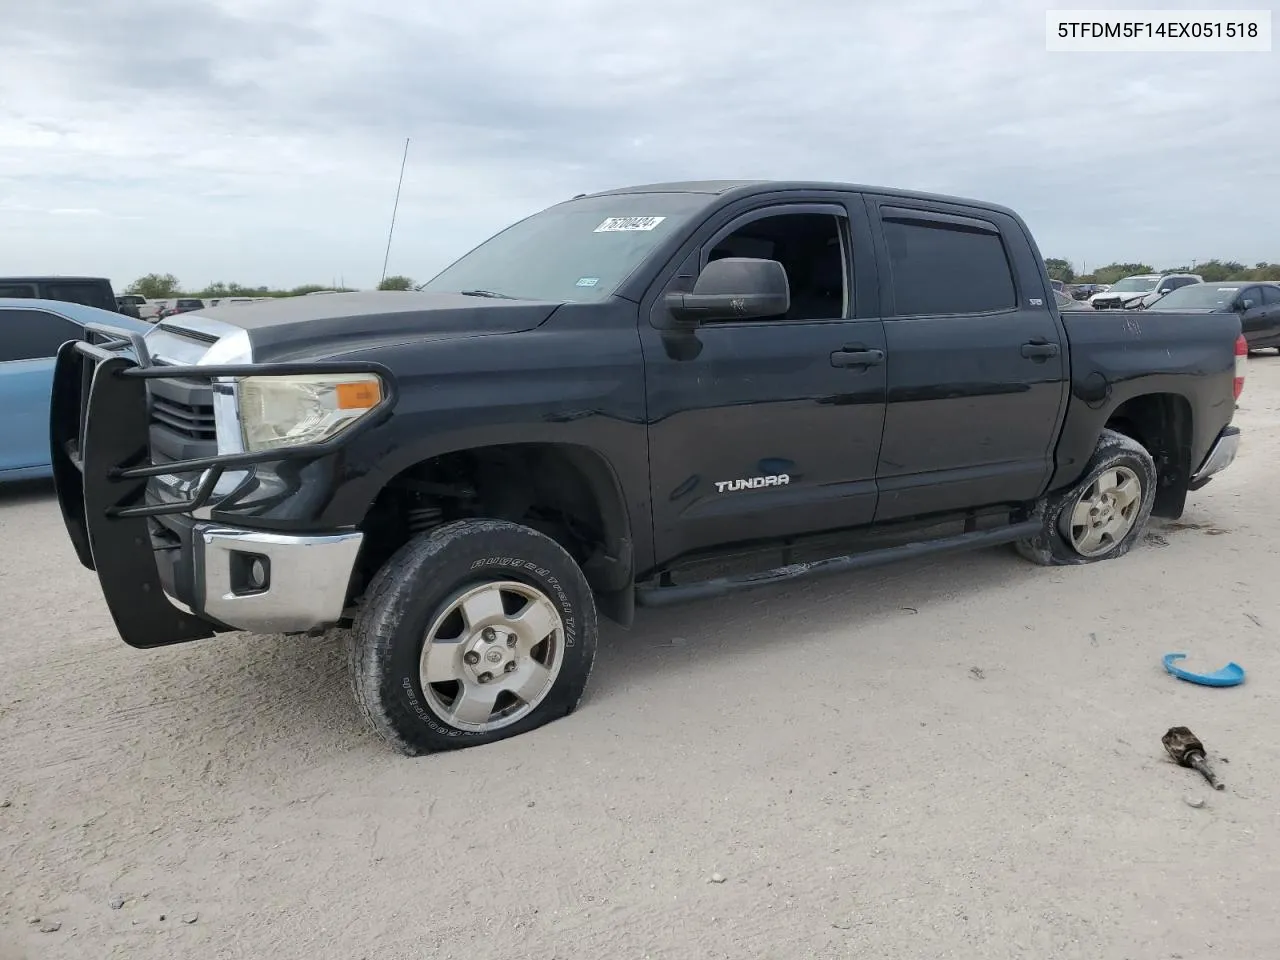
[{"x": 956, "y": 758}]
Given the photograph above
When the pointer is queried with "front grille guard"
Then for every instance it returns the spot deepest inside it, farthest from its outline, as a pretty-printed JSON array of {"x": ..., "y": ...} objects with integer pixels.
[{"x": 99, "y": 428}]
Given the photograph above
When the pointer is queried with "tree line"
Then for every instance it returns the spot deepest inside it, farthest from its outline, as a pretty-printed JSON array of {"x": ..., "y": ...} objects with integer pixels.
[
  {"x": 165, "y": 286},
  {"x": 1212, "y": 271}
]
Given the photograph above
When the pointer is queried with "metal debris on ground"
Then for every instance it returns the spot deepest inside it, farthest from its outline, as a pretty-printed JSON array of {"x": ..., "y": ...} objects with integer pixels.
[{"x": 1187, "y": 751}]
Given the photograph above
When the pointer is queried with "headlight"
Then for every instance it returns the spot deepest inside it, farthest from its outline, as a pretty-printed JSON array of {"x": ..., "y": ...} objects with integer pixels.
[{"x": 295, "y": 411}]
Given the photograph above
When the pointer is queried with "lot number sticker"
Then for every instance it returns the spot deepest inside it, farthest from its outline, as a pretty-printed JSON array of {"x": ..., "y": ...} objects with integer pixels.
[{"x": 621, "y": 224}]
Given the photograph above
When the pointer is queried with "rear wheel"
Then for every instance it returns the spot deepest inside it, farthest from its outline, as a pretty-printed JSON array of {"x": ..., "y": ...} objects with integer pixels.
[
  {"x": 475, "y": 632},
  {"x": 1103, "y": 515}
]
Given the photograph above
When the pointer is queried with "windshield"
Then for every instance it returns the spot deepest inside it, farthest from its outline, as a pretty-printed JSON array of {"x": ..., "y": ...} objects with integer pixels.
[
  {"x": 576, "y": 251},
  {"x": 1199, "y": 296},
  {"x": 1134, "y": 285}
]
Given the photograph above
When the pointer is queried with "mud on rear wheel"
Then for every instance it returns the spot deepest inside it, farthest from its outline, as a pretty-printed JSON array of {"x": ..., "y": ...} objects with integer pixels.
[
  {"x": 1104, "y": 514},
  {"x": 475, "y": 632}
]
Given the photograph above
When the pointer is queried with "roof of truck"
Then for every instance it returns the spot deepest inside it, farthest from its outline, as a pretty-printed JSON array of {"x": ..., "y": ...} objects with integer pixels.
[
  {"x": 51, "y": 278},
  {"x": 749, "y": 187}
]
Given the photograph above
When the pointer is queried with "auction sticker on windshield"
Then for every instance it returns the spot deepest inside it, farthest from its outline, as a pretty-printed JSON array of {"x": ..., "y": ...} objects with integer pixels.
[{"x": 619, "y": 224}]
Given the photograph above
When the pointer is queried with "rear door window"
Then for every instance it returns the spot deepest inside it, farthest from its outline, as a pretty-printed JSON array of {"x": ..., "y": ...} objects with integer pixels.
[
  {"x": 25, "y": 291},
  {"x": 1271, "y": 296},
  {"x": 940, "y": 267},
  {"x": 33, "y": 334}
]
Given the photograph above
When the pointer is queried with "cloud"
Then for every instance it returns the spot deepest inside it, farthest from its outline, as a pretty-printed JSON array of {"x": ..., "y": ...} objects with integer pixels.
[{"x": 260, "y": 140}]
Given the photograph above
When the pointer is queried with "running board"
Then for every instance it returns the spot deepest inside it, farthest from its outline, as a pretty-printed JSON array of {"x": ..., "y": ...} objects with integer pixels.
[{"x": 680, "y": 593}]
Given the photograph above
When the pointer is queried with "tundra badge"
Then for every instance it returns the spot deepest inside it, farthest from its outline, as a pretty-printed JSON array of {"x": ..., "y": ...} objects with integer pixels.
[{"x": 750, "y": 483}]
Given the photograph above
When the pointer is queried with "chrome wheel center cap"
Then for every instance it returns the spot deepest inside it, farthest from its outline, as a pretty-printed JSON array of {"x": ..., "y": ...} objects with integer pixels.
[{"x": 489, "y": 653}]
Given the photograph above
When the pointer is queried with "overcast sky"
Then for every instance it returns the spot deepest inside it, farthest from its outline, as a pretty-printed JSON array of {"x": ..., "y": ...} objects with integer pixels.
[{"x": 259, "y": 141}]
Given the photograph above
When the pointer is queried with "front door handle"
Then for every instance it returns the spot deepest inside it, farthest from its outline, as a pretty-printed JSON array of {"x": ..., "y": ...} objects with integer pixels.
[
  {"x": 1039, "y": 350},
  {"x": 856, "y": 355}
]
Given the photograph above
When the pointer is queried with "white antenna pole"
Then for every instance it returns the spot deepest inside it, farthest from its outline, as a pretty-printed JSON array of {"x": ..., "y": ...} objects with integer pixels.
[{"x": 394, "y": 208}]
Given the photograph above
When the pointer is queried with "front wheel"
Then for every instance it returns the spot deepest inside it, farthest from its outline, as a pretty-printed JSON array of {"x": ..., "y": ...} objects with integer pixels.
[
  {"x": 475, "y": 632},
  {"x": 1104, "y": 514}
]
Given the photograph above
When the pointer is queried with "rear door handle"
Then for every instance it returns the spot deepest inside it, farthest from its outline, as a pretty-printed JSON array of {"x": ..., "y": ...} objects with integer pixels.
[
  {"x": 1039, "y": 350},
  {"x": 856, "y": 355}
]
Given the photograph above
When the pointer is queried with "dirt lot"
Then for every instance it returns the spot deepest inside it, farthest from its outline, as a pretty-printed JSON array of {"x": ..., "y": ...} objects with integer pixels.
[{"x": 958, "y": 758}]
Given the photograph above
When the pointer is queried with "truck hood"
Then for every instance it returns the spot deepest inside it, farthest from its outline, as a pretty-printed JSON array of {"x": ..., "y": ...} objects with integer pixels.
[{"x": 314, "y": 328}]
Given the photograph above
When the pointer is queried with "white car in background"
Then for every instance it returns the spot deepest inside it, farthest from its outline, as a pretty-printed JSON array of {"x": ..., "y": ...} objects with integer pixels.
[
  {"x": 1140, "y": 285},
  {"x": 1068, "y": 302}
]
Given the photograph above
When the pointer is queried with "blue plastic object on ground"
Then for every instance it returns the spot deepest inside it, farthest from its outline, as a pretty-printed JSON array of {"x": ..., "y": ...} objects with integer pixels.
[{"x": 1229, "y": 676}]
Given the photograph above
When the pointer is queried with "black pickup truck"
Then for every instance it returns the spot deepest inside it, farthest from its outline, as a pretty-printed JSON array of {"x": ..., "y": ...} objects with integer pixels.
[{"x": 637, "y": 397}]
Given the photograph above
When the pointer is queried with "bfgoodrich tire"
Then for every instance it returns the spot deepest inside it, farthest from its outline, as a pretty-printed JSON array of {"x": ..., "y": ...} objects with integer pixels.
[
  {"x": 1104, "y": 514},
  {"x": 478, "y": 631}
]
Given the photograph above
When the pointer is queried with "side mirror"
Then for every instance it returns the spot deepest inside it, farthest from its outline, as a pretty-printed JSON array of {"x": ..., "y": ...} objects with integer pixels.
[
  {"x": 1246, "y": 305},
  {"x": 735, "y": 288}
]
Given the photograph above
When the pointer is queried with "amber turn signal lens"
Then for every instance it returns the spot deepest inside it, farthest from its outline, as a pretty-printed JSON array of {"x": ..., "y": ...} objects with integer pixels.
[{"x": 360, "y": 395}]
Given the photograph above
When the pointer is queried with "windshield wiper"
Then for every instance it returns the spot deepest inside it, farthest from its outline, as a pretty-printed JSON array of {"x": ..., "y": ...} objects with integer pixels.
[{"x": 485, "y": 293}]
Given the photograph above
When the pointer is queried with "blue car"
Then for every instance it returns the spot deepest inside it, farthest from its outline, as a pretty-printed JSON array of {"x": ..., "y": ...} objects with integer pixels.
[{"x": 30, "y": 333}]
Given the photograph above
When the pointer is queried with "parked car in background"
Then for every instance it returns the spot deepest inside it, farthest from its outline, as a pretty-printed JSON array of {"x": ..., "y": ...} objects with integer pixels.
[
  {"x": 1258, "y": 305},
  {"x": 150, "y": 309},
  {"x": 1134, "y": 288},
  {"x": 1068, "y": 302},
  {"x": 91, "y": 291},
  {"x": 1162, "y": 291},
  {"x": 31, "y": 330},
  {"x": 131, "y": 304},
  {"x": 181, "y": 305}
]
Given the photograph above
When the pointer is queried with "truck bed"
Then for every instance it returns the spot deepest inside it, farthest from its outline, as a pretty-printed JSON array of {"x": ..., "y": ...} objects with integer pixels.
[{"x": 1188, "y": 359}]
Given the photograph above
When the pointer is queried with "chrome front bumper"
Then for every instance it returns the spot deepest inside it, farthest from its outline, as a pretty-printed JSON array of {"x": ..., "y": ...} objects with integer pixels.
[
  {"x": 271, "y": 582},
  {"x": 1221, "y": 455}
]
